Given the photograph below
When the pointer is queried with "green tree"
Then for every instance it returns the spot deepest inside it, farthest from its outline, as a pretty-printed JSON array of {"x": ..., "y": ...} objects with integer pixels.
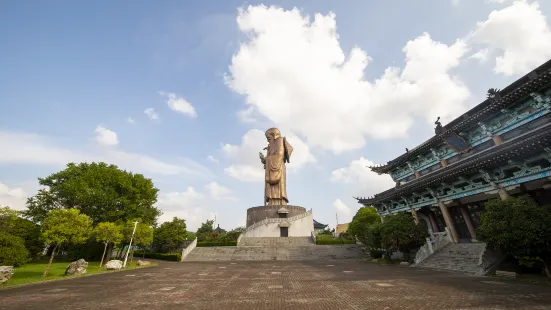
[
  {"x": 233, "y": 234},
  {"x": 364, "y": 218},
  {"x": 143, "y": 237},
  {"x": 519, "y": 227},
  {"x": 400, "y": 232},
  {"x": 61, "y": 227},
  {"x": 12, "y": 251},
  {"x": 205, "y": 231},
  {"x": 107, "y": 232},
  {"x": 13, "y": 224},
  {"x": 103, "y": 192},
  {"x": 170, "y": 235}
]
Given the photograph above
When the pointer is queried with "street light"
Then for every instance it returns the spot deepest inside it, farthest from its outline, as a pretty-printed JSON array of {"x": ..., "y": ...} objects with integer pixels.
[{"x": 130, "y": 245}]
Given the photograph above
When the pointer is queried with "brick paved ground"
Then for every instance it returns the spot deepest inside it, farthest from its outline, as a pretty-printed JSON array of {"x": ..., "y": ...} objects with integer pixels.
[{"x": 347, "y": 284}]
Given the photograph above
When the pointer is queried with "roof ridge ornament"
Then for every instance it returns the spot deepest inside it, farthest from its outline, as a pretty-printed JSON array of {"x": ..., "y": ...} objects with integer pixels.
[
  {"x": 493, "y": 94},
  {"x": 439, "y": 129}
]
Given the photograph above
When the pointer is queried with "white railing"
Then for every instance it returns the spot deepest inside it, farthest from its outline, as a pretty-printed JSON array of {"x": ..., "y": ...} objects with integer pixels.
[
  {"x": 313, "y": 237},
  {"x": 276, "y": 220},
  {"x": 435, "y": 242},
  {"x": 188, "y": 250},
  {"x": 239, "y": 238}
]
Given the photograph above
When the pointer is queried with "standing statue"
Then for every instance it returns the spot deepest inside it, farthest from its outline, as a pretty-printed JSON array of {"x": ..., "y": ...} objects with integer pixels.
[{"x": 278, "y": 153}]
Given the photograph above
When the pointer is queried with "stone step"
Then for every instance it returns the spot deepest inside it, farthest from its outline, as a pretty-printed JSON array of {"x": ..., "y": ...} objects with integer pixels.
[
  {"x": 273, "y": 253},
  {"x": 276, "y": 241},
  {"x": 456, "y": 257}
]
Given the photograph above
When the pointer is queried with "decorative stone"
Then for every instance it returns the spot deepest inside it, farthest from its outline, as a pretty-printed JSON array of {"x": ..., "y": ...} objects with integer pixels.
[
  {"x": 113, "y": 265},
  {"x": 143, "y": 263},
  {"x": 5, "y": 273},
  {"x": 76, "y": 267},
  {"x": 404, "y": 264}
]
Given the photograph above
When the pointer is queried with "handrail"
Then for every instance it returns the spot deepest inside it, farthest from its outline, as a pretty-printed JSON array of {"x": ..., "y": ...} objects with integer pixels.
[
  {"x": 277, "y": 220},
  {"x": 313, "y": 236},
  {"x": 188, "y": 250}
]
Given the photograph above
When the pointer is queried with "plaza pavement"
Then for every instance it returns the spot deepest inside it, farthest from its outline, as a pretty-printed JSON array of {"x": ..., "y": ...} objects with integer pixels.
[{"x": 329, "y": 284}]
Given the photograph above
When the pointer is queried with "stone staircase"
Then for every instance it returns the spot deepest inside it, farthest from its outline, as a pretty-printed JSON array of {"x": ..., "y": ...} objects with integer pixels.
[
  {"x": 286, "y": 252},
  {"x": 462, "y": 257},
  {"x": 276, "y": 241}
]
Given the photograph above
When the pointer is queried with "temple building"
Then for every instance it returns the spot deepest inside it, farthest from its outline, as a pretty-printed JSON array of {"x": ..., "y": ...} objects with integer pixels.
[
  {"x": 319, "y": 227},
  {"x": 499, "y": 148}
]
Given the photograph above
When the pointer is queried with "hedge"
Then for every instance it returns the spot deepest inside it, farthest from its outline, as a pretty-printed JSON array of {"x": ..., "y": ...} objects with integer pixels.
[
  {"x": 216, "y": 243},
  {"x": 174, "y": 257},
  {"x": 334, "y": 241}
]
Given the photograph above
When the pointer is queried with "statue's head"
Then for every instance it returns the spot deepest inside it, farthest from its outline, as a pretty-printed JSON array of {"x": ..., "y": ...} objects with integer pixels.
[{"x": 272, "y": 134}]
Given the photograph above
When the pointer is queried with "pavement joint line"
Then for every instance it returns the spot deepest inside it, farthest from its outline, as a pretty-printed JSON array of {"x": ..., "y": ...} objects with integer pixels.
[
  {"x": 222, "y": 267},
  {"x": 384, "y": 284},
  {"x": 130, "y": 275},
  {"x": 203, "y": 274},
  {"x": 348, "y": 271},
  {"x": 275, "y": 286},
  {"x": 276, "y": 272},
  {"x": 167, "y": 288}
]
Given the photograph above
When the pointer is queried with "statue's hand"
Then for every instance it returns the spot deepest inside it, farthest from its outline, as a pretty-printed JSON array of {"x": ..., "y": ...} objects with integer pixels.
[{"x": 262, "y": 159}]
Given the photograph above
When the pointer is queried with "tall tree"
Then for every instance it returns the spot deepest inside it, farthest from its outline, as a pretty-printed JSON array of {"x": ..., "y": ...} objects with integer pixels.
[
  {"x": 362, "y": 221},
  {"x": 400, "y": 232},
  {"x": 519, "y": 227},
  {"x": 107, "y": 232},
  {"x": 62, "y": 227},
  {"x": 205, "y": 231},
  {"x": 103, "y": 192},
  {"x": 170, "y": 235},
  {"x": 11, "y": 223}
]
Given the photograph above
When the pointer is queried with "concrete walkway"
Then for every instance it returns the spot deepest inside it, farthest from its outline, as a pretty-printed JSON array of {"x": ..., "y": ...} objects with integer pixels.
[{"x": 330, "y": 284}]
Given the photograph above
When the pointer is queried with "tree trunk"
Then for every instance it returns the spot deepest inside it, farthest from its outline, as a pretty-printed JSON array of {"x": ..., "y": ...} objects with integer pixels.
[
  {"x": 102, "y": 256},
  {"x": 49, "y": 263},
  {"x": 109, "y": 251}
]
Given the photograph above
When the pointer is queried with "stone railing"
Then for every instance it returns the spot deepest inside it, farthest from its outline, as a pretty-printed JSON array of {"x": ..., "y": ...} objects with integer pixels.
[
  {"x": 188, "y": 250},
  {"x": 435, "y": 242},
  {"x": 313, "y": 234},
  {"x": 239, "y": 238},
  {"x": 276, "y": 220}
]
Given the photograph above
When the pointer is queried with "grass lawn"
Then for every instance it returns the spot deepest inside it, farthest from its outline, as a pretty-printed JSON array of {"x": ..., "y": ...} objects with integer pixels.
[{"x": 32, "y": 272}]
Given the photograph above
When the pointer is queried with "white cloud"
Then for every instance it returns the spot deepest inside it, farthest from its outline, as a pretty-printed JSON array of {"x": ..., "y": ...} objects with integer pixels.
[
  {"x": 521, "y": 33},
  {"x": 193, "y": 206},
  {"x": 25, "y": 148},
  {"x": 106, "y": 137},
  {"x": 481, "y": 56},
  {"x": 246, "y": 165},
  {"x": 294, "y": 73},
  {"x": 213, "y": 159},
  {"x": 15, "y": 198},
  {"x": 150, "y": 112},
  {"x": 130, "y": 120},
  {"x": 343, "y": 211},
  {"x": 365, "y": 180},
  {"x": 179, "y": 104}
]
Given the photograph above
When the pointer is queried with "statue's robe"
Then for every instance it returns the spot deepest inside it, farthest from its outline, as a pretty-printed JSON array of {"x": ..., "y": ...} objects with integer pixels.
[{"x": 275, "y": 191}]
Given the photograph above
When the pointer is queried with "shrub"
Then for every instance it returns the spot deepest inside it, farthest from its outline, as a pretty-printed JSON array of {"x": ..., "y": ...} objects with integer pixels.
[
  {"x": 376, "y": 253},
  {"x": 174, "y": 257},
  {"x": 216, "y": 243},
  {"x": 334, "y": 241},
  {"x": 12, "y": 251}
]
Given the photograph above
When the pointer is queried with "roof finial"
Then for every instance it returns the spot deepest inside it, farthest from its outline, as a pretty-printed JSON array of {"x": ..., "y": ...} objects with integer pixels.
[{"x": 438, "y": 130}]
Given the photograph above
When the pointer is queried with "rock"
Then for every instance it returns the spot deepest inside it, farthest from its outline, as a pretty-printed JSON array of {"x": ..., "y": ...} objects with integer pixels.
[
  {"x": 143, "y": 263},
  {"x": 76, "y": 267},
  {"x": 113, "y": 265},
  {"x": 404, "y": 264},
  {"x": 5, "y": 273}
]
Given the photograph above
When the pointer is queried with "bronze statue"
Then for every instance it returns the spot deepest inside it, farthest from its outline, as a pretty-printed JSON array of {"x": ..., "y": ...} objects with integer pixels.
[{"x": 278, "y": 153}]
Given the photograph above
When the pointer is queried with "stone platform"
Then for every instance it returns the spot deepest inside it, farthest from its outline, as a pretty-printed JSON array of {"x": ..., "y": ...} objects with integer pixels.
[{"x": 284, "y": 253}]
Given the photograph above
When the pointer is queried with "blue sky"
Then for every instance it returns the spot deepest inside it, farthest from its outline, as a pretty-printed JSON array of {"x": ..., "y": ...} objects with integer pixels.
[{"x": 352, "y": 85}]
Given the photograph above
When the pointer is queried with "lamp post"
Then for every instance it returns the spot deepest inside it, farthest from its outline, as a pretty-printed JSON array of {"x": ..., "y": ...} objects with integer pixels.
[{"x": 130, "y": 245}]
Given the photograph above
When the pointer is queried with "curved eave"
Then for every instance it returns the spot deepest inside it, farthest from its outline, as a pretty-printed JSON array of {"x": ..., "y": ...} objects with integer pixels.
[
  {"x": 533, "y": 81},
  {"x": 532, "y": 140}
]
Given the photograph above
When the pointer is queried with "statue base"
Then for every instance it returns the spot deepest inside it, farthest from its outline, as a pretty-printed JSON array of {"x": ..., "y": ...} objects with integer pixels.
[{"x": 257, "y": 214}]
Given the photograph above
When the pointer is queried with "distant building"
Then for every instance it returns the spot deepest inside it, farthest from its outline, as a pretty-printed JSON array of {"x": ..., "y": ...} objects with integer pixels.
[
  {"x": 219, "y": 230},
  {"x": 341, "y": 228},
  {"x": 319, "y": 227}
]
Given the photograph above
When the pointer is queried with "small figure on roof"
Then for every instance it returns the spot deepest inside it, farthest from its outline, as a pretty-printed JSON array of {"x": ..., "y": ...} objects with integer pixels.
[{"x": 438, "y": 130}]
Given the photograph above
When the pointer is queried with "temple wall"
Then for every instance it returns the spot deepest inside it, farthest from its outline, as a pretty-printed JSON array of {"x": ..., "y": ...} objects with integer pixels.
[
  {"x": 257, "y": 214},
  {"x": 302, "y": 227}
]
